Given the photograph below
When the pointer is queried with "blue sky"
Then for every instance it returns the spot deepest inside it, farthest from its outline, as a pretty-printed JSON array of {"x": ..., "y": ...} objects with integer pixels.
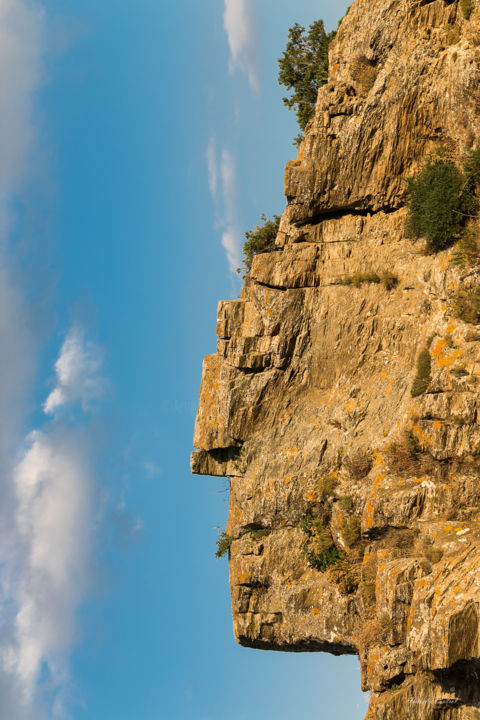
[{"x": 138, "y": 141}]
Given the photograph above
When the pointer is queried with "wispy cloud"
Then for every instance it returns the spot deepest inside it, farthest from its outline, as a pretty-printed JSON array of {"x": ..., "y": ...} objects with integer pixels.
[
  {"x": 211, "y": 155},
  {"x": 231, "y": 244},
  {"x": 229, "y": 186},
  {"x": 239, "y": 24},
  {"x": 225, "y": 171},
  {"x": 78, "y": 373},
  {"x": 21, "y": 47}
]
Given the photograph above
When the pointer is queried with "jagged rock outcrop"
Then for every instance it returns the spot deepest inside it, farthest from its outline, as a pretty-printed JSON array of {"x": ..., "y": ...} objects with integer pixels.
[{"x": 307, "y": 403}]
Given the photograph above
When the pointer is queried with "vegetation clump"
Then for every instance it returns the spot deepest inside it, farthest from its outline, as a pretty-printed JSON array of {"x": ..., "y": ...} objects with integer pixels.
[
  {"x": 303, "y": 68},
  {"x": 440, "y": 198},
  {"x": 345, "y": 575},
  {"x": 423, "y": 378},
  {"x": 368, "y": 581},
  {"x": 466, "y": 7},
  {"x": 223, "y": 544},
  {"x": 363, "y": 72},
  {"x": 466, "y": 305},
  {"x": 326, "y": 486},
  {"x": 453, "y": 33},
  {"x": 350, "y": 531},
  {"x": 358, "y": 465},
  {"x": 431, "y": 553},
  {"x": 346, "y": 503},
  {"x": 357, "y": 279},
  {"x": 260, "y": 240},
  {"x": 320, "y": 550},
  {"x": 405, "y": 456},
  {"x": 466, "y": 250}
]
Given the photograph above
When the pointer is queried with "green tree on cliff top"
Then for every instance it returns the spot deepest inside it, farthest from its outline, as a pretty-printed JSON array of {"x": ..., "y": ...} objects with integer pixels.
[{"x": 304, "y": 68}]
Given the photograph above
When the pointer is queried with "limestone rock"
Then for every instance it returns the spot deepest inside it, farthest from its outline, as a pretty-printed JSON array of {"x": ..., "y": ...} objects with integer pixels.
[{"x": 306, "y": 405}]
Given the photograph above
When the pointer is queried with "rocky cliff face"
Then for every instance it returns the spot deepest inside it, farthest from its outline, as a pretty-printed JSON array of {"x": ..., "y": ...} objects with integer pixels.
[{"x": 355, "y": 507}]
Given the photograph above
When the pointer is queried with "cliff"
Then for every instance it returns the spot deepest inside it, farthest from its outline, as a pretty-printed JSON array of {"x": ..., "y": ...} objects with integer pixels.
[{"x": 355, "y": 507}]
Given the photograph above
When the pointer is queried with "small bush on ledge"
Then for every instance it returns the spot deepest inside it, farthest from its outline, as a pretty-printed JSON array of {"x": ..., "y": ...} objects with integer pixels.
[
  {"x": 466, "y": 306},
  {"x": 358, "y": 465},
  {"x": 423, "y": 378},
  {"x": 223, "y": 544},
  {"x": 357, "y": 279},
  {"x": 320, "y": 550},
  {"x": 351, "y": 531},
  {"x": 260, "y": 240},
  {"x": 466, "y": 7}
]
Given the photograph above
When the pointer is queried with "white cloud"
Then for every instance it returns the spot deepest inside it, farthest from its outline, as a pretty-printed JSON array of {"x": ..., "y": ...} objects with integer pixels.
[
  {"x": 77, "y": 370},
  {"x": 231, "y": 243},
  {"x": 212, "y": 167},
  {"x": 239, "y": 24},
  {"x": 226, "y": 173},
  {"x": 45, "y": 496},
  {"x": 229, "y": 186},
  {"x": 21, "y": 46},
  {"x": 53, "y": 490}
]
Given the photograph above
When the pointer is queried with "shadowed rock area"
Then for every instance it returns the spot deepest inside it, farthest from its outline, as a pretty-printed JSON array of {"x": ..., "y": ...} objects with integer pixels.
[{"x": 355, "y": 507}]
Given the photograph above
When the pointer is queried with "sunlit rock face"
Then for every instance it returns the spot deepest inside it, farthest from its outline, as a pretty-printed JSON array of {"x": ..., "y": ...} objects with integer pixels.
[{"x": 307, "y": 403}]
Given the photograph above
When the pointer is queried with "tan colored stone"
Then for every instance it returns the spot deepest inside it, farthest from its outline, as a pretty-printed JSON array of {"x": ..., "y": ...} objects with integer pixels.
[{"x": 312, "y": 380}]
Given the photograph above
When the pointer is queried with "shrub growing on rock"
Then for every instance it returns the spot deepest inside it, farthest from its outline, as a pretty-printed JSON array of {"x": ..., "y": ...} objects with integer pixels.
[
  {"x": 467, "y": 305},
  {"x": 351, "y": 531},
  {"x": 440, "y": 199},
  {"x": 223, "y": 544},
  {"x": 466, "y": 7},
  {"x": 423, "y": 378},
  {"x": 358, "y": 465},
  {"x": 320, "y": 550},
  {"x": 261, "y": 239}
]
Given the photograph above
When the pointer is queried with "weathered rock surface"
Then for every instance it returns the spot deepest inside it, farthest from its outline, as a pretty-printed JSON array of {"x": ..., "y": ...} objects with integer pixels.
[{"x": 312, "y": 379}]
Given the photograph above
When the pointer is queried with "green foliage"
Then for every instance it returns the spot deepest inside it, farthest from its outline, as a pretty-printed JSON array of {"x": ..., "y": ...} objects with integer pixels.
[
  {"x": 471, "y": 167},
  {"x": 262, "y": 239},
  {"x": 466, "y": 7},
  {"x": 321, "y": 560},
  {"x": 368, "y": 583},
  {"x": 453, "y": 33},
  {"x": 346, "y": 503},
  {"x": 440, "y": 198},
  {"x": 320, "y": 550},
  {"x": 223, "y": 544},
  {"x": 466, "y": 250},
  {"x": 466, "y": 305},
  {"x": 423, "y": 378},
  {"x": 357, "y": 279},
  {"x": 345, "y": 575},
  {"x": 326, "y": 486},
  {"x": 388, "y": 280},
  {"x": 351, "y": 531},
  {"x": 303, "y": 68}
]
